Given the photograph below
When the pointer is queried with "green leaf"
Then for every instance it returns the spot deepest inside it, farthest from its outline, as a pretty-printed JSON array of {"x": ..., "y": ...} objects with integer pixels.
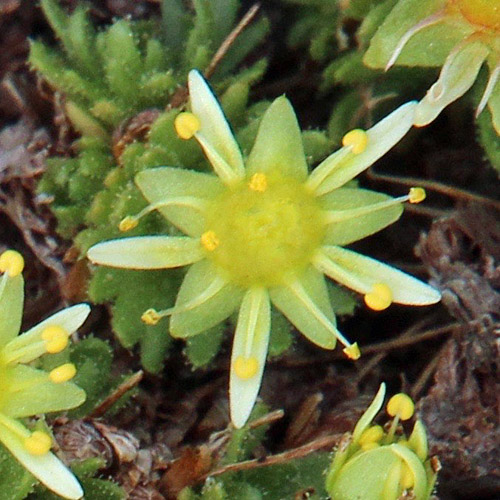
[{"x": 201, "y": 349}]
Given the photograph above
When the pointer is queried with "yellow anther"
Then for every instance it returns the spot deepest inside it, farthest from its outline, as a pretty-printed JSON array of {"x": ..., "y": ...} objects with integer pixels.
[
  {"x": 246, "y": 368},
  {"x": 151, "y": 317},
  {"x": 258, "y": 182},
  {"x": 379, "y": 298},
  {"x": 56, "y": 338},
  {"x": 39, "y": 443},
  {"x": 186, "y": 125},
  {"x": 209, "y": 240},
  {"x": 416, "y": 195},
  {"x": 370, "y": 446},
  {"x": 407, "y": 479},
  {"x": 352, "y": 351},
  {"x": 128, "y": 223},
  {"x": 63, "y": 373},
  {"x": 401, "y": 405},
  {"x": 11, "y": 262},
  {"x": 371, "y": 435},
  {"x": 357, "y": 139}
]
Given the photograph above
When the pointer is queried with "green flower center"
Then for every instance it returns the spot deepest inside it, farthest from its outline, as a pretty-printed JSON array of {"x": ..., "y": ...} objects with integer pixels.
[
  {"x": 264, "y": 231},
  {"x": 482, "y": 12}
]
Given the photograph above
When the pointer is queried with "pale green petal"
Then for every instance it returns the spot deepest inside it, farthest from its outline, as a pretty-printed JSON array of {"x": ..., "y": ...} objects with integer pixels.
[
  {"x": 48, "y": 469},
  {"x": 366, "y": 419},
  {"x": 494, "y": 106},
  {"x": 306, "y": 304},
  {"x": 428, "y": 47},
  {"x": 250, "y": 341},
  {"x": 343, "y": 233},
  {"x": 216, "y": 309},
  {"x": 365, "y": 475},
  {"x": 159, "y": 184},
  {"x": 278, "y": 147},
  {"x": 11, "y": 306},
  {"x": 344, "y": 165},
  {"x": 147, "y": 252},
  {"x": 31, "y": 392},
  {"x": 457, "y": 76},
  {"x": 416, "y": 467},
  {"x": 215, "y": 129},
  {"x": 360, "y": 273},
  {"x": 70, "y": 319}
]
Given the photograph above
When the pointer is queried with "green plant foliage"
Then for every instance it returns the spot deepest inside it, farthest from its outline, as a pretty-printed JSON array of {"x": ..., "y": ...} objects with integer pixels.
[
  {"x": 459, "y": 36},
  {"x": 15, "y": 481},
  {"x": 361, "y": 94},
  {"x": 274, "y": 482}
]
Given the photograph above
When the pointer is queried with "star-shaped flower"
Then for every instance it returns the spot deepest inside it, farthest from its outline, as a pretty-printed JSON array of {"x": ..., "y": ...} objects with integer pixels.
[
  {"x": 266, "y": 232},
  {"x": 26, "y": 391},
  {"x": 461, "y": 35}
]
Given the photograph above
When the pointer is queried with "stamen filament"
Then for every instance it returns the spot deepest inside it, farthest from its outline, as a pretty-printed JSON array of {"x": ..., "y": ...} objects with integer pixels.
[
  {"x": 492, "y": 81},
  {"x": 327, "y": 266},
  {"x": 329, "y": 165},
  {"x": 151, "y": 316},
  {"x": 332, "y": 216},
  {"x": 428, "y": 21},
  {"x": 302, "y": 295},
  {"x": 131, "y": 221}
]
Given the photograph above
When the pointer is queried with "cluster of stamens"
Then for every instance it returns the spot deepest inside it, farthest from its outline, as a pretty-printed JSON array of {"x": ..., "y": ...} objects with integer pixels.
[
  {"x": 53, "y": 339},
  {"x": 187, "y": 125}
]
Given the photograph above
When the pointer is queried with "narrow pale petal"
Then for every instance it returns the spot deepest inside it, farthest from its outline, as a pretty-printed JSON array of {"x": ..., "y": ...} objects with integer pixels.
[
  {"x": 250, "y": 343},
  {"x": 11, "y": 307},
  {"x": 344, "y": 165},
  {"x": 306, "y": 304},
  {"x": 70, "y": 319},
  {"x": 48, "y": 469},
  {"x": 214, "y": 310},
  {"x": 214, "y": 129},
  {"x": 342, "y": 233},
  {"x": 147, "y": 252},
  {"x": 360, "y": 273},
  {"x": 31, "y": 392},
  {"x": 370, "y": 413},
  {"x": 278, "y": 147},
  {"x": 158, "y": 184},
  {"x": 458, "y": 74}
]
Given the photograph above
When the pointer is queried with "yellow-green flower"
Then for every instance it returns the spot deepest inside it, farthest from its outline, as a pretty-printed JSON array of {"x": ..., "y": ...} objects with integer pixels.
[
  {"x": 460, "y": 35},
  {"x": 381, "y": 462},
  {"x": 26, "y": 391},
  {"x": 265, "y": 231}
]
